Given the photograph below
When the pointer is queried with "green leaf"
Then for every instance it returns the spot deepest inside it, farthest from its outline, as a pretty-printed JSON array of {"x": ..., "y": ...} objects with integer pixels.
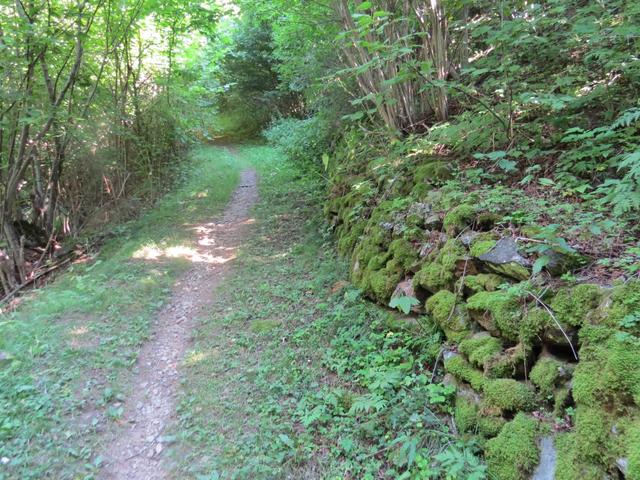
[
  {"x": 286, "y": 440},
  {"x": 325, "y": 161},
  {"x": 540, "y": 263},
  {"x": 507, "y": 165},
  {"x": 404, "y": 303},
  {"x": 546, "y": 182}
]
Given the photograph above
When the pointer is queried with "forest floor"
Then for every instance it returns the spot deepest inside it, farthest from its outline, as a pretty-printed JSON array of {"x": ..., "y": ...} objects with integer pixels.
[{"x": 193, "y": 349}]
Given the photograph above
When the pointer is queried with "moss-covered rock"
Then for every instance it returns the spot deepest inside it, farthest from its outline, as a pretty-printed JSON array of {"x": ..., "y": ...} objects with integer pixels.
[
  {"x": 439, "y": 270},
  {"x": 512, "y": 362},
  {"x": 569, "y": 465},
  {"x": 624, "y": 304},
  {"x": 462, "y": 370},
  {"x": 470, "y": 418},
  {"x": 498, "y": 312},
  {"x": 573, "y": 305},
  {"x": 433, "y": 172},
  {"x": 544, "y": 375},
  {"x": 449, "y": 315},
  {"x": 609, "y": 369},
  {"x": 513, "y": 454},
  {"x": 480, "y": 348},
  {"x": 482, "y": 244},
  {"x": 383, "y": 282},
  {"x": 632, "y": 450},
  {"x": 459, "y": 218},
  {"x": 465, "y": 414},
  {"x": 404, "y": 253},
  {"x": 508, "y": 395},
  {"x": 482, "y": 282},
  {"x": 348, "y": 238},
  {"x": 593, "y": 427}
]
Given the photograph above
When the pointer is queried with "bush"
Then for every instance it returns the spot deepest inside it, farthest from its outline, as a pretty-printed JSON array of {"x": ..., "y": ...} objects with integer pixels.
[{"x": 300, "y": 140}]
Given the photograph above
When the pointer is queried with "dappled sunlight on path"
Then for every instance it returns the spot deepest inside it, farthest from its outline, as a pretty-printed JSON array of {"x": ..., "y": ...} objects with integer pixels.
[{"x": 134, "y": 449}]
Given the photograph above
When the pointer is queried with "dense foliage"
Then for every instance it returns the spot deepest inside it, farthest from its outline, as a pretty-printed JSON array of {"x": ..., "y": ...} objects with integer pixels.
[{"x": 89, "y": 108}]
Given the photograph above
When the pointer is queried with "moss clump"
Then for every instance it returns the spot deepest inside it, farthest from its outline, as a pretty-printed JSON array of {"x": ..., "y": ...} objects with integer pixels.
[
  {"x": 498, "y": 312},
  {"x": 466, "y": 415},
  {"x": 513, "y": 454},
  {"x": 625, "y": 301},
  {"x": 544, "y": 375},
  {"x": 561, "y": 398},
  {"x": 509, "y": 363},
  {"x": 439, "y": 271},
  {"x": 482, "y": 282},
  {"x": 470, "y": 419},
  {"x": 508, "y": 395},
  {"x": 404, "y": 253},
  {"x": 482, "y": 244},
  {"x": 383, "y": 282},
  {"x": 490, "y": 425},
  {"x": 459, "y": 218},
  {"x": 348, "y": 238},
  {"x": 432, "y": 172},
  {"x": 572, "y": 305},
  {"x": 449, "y": 316},
  {"x": 609, "y": 369},
  {"x": 569, "y": 466},
  {"x": 480, "y": 348},
  {"x": 420, "y": 191},
  {"x": 378, "y": 262},
  {"x": 633, "y": 450},
  {"x": 592, "y": 432},
  {"x": 533, "y": 324},
  {"x": 463, "y": 370}
]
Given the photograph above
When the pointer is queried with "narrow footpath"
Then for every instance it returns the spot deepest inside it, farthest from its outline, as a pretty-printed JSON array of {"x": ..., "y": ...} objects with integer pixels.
[{"x": 134, "y": 451}]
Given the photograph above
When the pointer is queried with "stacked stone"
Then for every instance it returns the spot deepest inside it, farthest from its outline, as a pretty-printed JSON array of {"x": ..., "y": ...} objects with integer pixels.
[{"x": 547, "y": 380}]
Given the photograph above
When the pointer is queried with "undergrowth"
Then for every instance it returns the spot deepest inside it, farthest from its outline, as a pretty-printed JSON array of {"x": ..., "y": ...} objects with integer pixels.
[
  {"x": 72, "y": 344},
  {"x": 295, "y": 375}
]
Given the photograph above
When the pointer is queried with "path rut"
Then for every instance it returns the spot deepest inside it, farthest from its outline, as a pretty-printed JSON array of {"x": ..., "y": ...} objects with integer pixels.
[{"x": 135, "y": 452}]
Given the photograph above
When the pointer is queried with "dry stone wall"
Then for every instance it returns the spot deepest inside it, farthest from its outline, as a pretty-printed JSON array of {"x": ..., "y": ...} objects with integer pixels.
[{"x": 547, "y": 370}]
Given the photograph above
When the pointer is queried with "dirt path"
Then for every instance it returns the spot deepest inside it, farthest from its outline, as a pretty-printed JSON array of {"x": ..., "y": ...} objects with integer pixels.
[{"x": 135, "y": 451}]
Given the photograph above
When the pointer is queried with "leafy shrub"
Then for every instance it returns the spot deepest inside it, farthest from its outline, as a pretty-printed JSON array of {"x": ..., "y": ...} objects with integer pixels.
[{"x": 300, "y": 140}]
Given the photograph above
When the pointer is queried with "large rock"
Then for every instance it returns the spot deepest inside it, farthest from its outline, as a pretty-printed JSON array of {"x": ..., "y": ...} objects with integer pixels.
[
  {"x": 546, "y": 469},
  {"x": 505, "y": 259}
]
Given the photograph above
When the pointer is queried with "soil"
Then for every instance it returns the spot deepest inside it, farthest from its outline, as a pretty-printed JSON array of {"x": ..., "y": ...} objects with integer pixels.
[{"x": 134, "y": 451}]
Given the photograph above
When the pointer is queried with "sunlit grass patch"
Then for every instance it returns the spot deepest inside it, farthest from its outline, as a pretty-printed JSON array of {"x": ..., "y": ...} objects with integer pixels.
[{"x": 80, "y": 336}]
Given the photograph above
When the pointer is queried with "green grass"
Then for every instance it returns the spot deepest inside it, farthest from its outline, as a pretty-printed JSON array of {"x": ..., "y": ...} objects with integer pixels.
[
  {"x": 293, "y": 375},
  {"x": 74, "y": 341}
]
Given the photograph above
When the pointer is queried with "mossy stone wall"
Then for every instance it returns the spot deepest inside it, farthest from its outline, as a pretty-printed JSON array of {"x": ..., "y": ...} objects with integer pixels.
[{"x": 511, "y": 342}]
